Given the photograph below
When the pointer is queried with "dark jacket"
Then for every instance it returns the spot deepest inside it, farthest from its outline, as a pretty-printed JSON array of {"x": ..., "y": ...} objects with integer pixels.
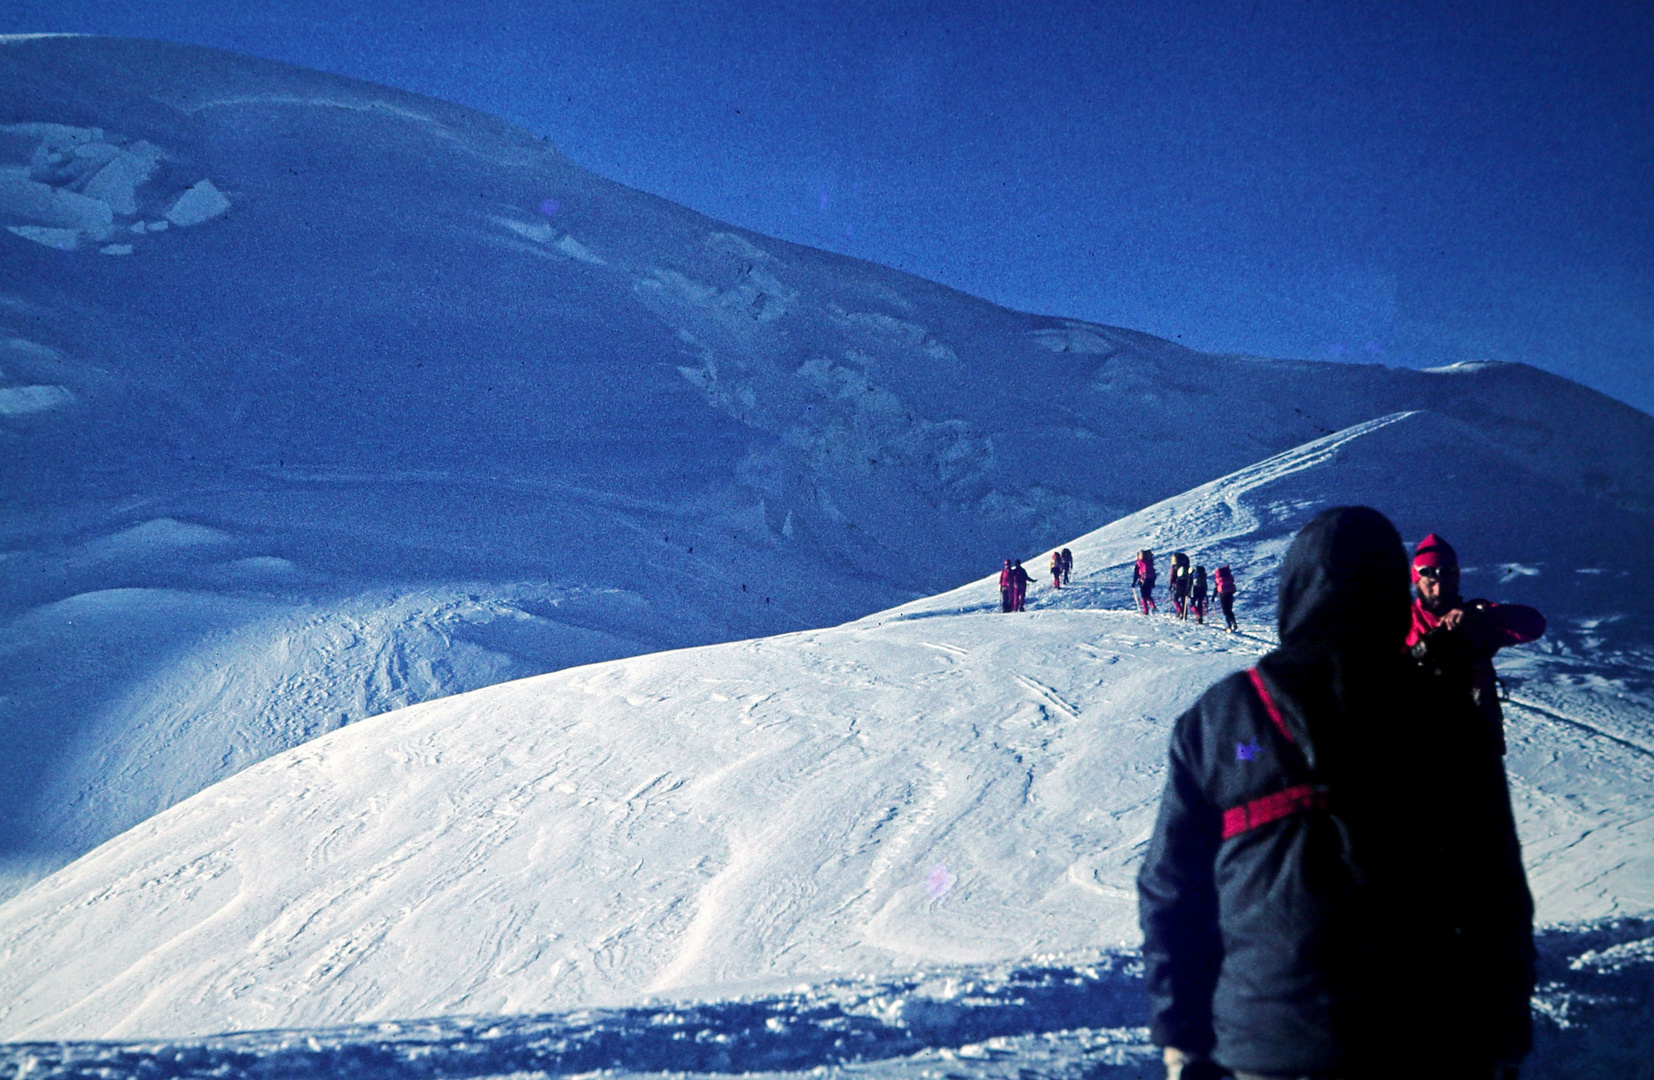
[
  {"x": 1385, "y": 909},
  {"x": 1463, "y": 658}
]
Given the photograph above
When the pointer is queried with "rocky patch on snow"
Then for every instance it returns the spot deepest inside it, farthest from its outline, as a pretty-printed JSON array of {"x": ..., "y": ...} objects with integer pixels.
[{"x": 84, "y": 188}]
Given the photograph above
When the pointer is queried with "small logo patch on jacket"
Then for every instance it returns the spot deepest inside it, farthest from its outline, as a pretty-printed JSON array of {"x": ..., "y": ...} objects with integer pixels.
[{"x": 1246, "y": 752}]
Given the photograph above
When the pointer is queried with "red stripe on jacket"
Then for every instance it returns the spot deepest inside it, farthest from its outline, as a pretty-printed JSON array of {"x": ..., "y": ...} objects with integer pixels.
[
  {"x": 1279, "y": 804},
  {"x": 1273, "y": 807}
]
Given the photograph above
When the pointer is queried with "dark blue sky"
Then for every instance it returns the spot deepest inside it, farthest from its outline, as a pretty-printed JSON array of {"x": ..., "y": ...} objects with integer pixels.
[{"x": 1413, "y": 183}]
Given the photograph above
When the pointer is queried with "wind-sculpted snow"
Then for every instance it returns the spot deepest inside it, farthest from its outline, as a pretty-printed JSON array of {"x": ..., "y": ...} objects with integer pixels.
[
  {"x": 1593, "y": 1009},
  {"x": 363, "y": 350},
  {"x": 936, "y": 784},
  {"x": 730, "y": 815},
  {"x": 964, "y": 1021},
  {"x": 912, "y": 790}
]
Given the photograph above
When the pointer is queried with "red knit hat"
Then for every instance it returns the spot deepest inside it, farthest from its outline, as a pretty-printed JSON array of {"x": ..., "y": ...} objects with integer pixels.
[{"x": 1434, "y": 551}]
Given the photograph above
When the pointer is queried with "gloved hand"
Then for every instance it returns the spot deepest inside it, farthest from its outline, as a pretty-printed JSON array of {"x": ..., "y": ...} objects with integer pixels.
[{"x": 1185, "y": 1066}]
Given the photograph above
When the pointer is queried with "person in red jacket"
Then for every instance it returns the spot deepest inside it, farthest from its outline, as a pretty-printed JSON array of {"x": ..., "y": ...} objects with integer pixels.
[
  {"x": 1142, "y": 580},
  {"x": 1019, "y": 586},
  {"x": 1454, "y": 639},
  {"x": 1007, "y": 591},
  {"x": 1223, "y": 583}
]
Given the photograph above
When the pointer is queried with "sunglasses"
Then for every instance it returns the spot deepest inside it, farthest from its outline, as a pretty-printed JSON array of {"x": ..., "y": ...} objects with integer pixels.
[{"x": 1431, "y": 572}]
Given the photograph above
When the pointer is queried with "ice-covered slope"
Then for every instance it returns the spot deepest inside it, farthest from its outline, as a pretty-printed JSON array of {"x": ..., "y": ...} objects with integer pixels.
[
  {"x": 939, "y": 784},
  {"x": 1522, "y": 536},
  {"x": 318, "y": 399}
]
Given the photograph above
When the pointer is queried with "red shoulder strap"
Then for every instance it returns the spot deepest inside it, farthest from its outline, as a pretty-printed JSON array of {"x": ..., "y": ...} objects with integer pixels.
[
  {"x": 1269, "y": 705},
  {"x": 1280, "y": 804}
]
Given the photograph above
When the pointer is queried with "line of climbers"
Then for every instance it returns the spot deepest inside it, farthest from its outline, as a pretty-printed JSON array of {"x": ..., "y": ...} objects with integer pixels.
[
  {"x": 1014, "y": 579},
  {"x": 1187, "y": 588}
]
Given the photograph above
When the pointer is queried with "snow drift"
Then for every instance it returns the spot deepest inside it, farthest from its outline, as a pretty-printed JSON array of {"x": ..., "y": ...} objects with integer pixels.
[
  {"x": 935, "y": 785},
  {"x": 318, "y": 399}
]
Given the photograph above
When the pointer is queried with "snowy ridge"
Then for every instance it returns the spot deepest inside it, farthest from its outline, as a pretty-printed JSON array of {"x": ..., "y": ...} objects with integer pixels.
[
  {"x": 410, "y": 355},
  {"x": 473, "y": 414},
  {"x": 939, "y": 786},
  {"x": 1531, "y": 541}
]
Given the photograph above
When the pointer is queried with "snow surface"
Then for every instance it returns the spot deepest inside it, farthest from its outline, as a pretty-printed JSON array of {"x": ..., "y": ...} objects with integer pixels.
[
  {"x": 385, "y": 400},
  {"x": 456, "y": 411},
  {"x": 1012, "y": 1022},
  {"x": 936, "y": 785}
]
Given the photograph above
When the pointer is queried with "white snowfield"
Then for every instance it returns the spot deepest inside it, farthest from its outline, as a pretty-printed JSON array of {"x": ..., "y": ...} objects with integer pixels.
[
  {"x": 938, "y": 784},
  {"x": 385, "y": 400}
]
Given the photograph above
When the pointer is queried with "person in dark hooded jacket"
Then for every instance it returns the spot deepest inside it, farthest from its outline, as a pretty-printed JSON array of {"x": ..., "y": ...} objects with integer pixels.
[
  {"x": 1197, "y": 594},
  {"x": 1335, "y": 887}
]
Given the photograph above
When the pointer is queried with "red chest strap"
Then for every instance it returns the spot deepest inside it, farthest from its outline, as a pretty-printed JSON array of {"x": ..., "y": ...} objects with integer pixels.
[{"x": 1273, "y": 807}]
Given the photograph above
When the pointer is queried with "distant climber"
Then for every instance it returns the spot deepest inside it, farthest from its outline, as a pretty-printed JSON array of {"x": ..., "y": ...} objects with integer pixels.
[
  {"x": 1197, "y": 594},
  {"x": 1223, "y": 583},
  {"x": 1454, "y": 639},
  {"x": 1056, "y": 569},
  {"x": 1067, "y": 564},
  {"x": 1007, "y": 592},
  {"x": 1178, "y": 586},
  {"x": 1142, "y": 580},
  {"x": 1019, "y": 585}
]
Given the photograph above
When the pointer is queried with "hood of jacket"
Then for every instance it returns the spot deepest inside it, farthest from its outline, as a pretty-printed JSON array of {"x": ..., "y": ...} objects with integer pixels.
[
  {"x": 1345, "y": 588},
  {"x": 1345, "y": 608}
]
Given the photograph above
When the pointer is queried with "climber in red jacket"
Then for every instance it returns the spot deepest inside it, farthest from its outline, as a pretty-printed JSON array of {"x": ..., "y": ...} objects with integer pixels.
[{"x": 1454, "y": 638}]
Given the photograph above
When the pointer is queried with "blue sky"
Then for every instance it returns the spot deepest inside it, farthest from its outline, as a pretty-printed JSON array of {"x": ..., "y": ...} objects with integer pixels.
[{"x": 1405, "y": 183}]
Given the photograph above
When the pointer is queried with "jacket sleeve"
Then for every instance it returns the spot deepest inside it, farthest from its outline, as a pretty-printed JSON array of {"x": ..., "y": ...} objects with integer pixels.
[
  {"x": 1514, "y": 624},
  {"x": 1178, "y": 906}
]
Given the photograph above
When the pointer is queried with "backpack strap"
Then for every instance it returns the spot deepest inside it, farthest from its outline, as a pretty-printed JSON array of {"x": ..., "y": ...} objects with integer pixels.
[
  {"x": 1273, "y": 807},
  {"x": 1279, "y": 804},
  {"x": 1269, "y": 705}
]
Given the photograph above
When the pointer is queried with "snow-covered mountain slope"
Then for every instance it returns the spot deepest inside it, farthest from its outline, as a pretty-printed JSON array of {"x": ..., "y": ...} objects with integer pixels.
[
  {"x": 939, "y": 784},
  {"x": 1521, "y": 536},
  {"x": 318, "y": 399}
]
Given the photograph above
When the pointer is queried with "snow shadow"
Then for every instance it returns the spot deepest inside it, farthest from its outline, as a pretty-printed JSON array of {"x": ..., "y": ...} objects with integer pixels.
[
  {"x": 833, "y": 1025},
  {"x": 1593, "y": 1013},
  {"x": 1594, "y": 1004}
]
